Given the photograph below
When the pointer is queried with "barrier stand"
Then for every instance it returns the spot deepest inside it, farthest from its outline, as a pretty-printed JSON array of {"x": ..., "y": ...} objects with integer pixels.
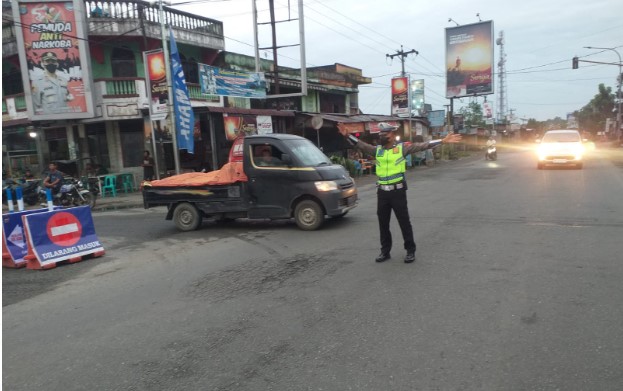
[
  {"x": 9, "y": 199},
  {"x": 48, "y": 196},
  {"x": 7, "y": 259},
  {"x": 60, "y": 236},
  {"x": 20, "y": 200}
]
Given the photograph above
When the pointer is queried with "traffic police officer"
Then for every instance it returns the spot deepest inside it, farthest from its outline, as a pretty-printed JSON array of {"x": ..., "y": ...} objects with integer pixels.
[
  {"x": 50, "y": 93},
  {"x": 391, "y": 184}
]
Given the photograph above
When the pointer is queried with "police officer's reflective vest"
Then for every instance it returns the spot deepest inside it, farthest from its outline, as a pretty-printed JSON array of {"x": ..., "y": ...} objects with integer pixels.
[{"x": 390, "y": 165}]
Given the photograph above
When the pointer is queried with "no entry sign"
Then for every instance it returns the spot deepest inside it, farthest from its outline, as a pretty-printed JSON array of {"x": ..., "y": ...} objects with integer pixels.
[
  {"x": 64, "y": 229},
  {"x": 61, "y": 235}
]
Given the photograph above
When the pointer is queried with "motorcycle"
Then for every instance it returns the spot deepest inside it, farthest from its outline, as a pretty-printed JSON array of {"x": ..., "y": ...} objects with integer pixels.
[
  {"x": 72, "y": 193},
  {"x": 30, "y": 193},
  {"x": 492, "y": 153}
]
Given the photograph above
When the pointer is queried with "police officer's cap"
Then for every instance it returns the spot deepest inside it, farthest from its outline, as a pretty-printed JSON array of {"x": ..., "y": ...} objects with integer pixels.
[
  {"x": 385, "y": 127},
  {"x": 49, "y": 56}
]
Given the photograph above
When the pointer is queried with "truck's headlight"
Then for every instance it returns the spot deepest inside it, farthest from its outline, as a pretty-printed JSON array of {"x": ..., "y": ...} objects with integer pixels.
[{"x": 326, "y": 185}]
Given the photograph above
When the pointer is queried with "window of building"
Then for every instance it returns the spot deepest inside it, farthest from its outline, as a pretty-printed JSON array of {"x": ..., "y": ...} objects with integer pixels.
[
  {"x": 190, "y": 68},
  {"x": 12, "y": 83},
  {"x": 123, "y": 63}
]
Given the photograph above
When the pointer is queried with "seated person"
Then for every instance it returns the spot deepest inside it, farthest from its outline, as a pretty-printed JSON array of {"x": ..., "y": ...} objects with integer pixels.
[
  {"x": 266, "y": 159},
  {"x": 54, "y": 179}
]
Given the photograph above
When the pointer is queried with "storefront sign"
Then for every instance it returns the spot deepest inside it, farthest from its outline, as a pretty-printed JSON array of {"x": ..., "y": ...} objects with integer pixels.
[{"x": 264, "y": 124}]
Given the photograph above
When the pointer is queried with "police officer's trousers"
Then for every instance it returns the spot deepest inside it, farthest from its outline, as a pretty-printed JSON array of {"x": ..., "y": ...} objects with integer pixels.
[{"x": 396, "y": 200}]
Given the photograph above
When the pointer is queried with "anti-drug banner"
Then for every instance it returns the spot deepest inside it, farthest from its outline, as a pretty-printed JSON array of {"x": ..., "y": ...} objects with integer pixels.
[
  {"x": 61, "y": 235},
  {"x": 54, "y": 59},
  {"x": 13, "y": 234},
  {"x": 216, "y": 81}
]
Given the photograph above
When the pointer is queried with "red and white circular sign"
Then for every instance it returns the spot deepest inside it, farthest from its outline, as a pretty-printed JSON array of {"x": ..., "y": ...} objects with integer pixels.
[{"x": 64, "y": 229}]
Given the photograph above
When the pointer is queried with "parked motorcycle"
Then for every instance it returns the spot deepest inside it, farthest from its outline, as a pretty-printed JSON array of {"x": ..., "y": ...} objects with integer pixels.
[
  {"x": 30, "y": 193},
  {"x": 72, "y": 193},
  {"x": 492, "y": 153}
]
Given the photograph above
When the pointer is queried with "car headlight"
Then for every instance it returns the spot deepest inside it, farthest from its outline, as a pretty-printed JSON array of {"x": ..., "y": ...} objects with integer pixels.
[{"x": 326, "y": 185}]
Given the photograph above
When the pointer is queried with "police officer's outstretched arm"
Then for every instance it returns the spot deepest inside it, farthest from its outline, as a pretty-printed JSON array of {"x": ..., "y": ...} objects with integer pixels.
[
  {"x": 451, "y": 138},
  {"x": 363, "y": 146}
]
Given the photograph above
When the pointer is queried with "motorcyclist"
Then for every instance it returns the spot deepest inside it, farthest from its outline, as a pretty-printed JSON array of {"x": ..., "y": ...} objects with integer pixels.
[
  {"x": 490, "y": 143},
  {"x": 54, "y": 179}
]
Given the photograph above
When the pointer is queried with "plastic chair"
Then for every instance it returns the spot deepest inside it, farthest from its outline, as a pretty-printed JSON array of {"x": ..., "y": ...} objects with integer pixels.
[
  {"x": 110, "y": 183},
  {"x": 127, "y": 181}
]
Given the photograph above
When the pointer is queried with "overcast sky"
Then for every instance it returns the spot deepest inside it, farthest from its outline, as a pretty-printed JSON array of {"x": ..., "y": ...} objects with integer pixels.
[{"x": 541, "y": 37}]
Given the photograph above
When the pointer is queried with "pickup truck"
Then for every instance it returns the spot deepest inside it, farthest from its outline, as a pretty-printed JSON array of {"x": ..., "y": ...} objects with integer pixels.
[{"x": 281, "y": 176}]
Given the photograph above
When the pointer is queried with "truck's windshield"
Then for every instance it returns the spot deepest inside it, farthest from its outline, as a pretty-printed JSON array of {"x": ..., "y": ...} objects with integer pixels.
[{"x": 308, "y": 153}]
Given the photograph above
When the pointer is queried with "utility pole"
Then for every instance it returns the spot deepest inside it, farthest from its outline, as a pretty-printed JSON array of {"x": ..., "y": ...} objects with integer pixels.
[{"x": 402, "y": 54}]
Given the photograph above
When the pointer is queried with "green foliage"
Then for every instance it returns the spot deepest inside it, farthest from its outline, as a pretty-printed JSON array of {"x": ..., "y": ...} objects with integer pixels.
[
  {"x": 592, "y": 117},
  {"x": 473, "y": 115},
  {"x": 348, "y": 164}
]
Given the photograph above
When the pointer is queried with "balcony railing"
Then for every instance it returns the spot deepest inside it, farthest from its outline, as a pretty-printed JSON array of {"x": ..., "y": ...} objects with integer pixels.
[
  {"x": 120, "y": 86},
  {"x": 150, "y": 13},
  {"x": 194, "y": 91}
]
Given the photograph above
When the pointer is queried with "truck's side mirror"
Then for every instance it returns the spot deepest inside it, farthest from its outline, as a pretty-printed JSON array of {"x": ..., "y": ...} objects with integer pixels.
[{"x": 286, "y": 159}]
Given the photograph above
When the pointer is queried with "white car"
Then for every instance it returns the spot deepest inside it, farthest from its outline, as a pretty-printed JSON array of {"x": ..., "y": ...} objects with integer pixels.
[{"x": 561, "y": 147}]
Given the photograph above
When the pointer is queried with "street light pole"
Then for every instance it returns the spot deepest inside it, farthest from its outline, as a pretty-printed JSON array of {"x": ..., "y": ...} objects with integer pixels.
[
  {"x": 620, "y": 81},
  {"x": 170, "y": 119}
]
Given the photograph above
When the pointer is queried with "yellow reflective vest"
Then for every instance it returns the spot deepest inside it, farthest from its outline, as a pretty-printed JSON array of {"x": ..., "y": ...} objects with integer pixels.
[{"x": 390, "y": 165}]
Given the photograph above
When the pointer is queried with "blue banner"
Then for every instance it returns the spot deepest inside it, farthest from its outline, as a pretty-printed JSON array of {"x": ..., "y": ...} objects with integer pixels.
[
  {"x": 184, "y": 116},
  {"x": 216, "y": 81},
  {"x": 62, "y": 234}
]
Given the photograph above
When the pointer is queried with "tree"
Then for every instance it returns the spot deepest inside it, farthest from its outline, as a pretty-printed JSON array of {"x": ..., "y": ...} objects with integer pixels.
[
  {"x": 472, "y": 115},
  {"x": 592, "y": 117}
]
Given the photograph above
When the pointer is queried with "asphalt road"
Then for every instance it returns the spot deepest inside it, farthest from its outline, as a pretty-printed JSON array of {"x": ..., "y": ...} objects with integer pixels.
[{"x": 516, "y": 286}]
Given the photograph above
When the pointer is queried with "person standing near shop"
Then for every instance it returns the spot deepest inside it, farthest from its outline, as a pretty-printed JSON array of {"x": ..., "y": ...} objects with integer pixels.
[
  {"x": 391, "y": 184},
  {"x": 148, "y": 166}
]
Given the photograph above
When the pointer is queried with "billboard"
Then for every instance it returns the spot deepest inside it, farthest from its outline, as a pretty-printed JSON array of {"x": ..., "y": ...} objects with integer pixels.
[
  {"x": 53, "y": 53},
  {"x": 216, "y": 81},
  {"x": 417, "y": 96},
  {"x": 469, "y": 60},
  {"x": 400, "y": 96},
  {"x": 436, "y": 118},
  {"x": 157, "y": 90}
]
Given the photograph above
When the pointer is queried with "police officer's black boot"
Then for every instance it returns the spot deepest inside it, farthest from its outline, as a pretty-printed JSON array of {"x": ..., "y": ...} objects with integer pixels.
[
  {"x": 383, "y": 257},
  {"x": 410, "y": 257}
]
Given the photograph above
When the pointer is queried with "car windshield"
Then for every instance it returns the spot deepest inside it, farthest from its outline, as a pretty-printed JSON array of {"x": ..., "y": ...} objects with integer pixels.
[
  {"x": 566, "y": 137},
  {"x": 308, "y": 153}
]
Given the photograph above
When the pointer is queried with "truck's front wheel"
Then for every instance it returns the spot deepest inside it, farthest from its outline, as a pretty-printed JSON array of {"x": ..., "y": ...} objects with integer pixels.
[
  {"x": 308, "y": 215},
  {"x": 186, "y": 217}
]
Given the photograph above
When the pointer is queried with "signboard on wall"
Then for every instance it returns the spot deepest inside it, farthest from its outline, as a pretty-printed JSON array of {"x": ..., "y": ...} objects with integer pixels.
[
  {"x": 469, "y": 60},
  {"x": 54, "y": 59},
  {"x": 217, "y": 81}
]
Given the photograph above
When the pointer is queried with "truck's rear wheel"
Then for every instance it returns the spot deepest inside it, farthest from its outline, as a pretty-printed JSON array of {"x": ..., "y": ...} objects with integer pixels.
[
  {"x": 308, "y": 215},
  {"x": 186, "y": 217}
]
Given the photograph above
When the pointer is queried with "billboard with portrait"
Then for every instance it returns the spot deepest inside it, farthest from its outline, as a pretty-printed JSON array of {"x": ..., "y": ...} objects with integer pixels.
[
  {"x": 469, "y": 60},
  {"x": 54, "y": 57},
  {"x": 217, "y": 81}
]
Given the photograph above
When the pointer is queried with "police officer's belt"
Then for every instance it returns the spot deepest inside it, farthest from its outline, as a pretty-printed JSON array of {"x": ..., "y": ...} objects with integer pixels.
[{"x": 394, "y": 186}]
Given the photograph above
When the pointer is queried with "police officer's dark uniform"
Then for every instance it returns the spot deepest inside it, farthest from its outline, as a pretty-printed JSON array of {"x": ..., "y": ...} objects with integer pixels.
[{"x": 392, "y": 186}]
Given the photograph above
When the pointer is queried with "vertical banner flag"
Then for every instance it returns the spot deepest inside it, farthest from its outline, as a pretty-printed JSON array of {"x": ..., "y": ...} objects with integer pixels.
[
  {"x": 184, "y": 116},
  {"x": 469, "y": 60},
  {"x": 157, "y": 90},
  {"x": 488, "y": 110},
  {"x": 54, "y": 59},
  {"x": 400, "y": 96}
]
